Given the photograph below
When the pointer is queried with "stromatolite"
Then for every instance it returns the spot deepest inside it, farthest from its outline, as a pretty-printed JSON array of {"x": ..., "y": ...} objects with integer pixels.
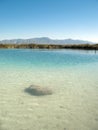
[{"x": 38, "y": 90}]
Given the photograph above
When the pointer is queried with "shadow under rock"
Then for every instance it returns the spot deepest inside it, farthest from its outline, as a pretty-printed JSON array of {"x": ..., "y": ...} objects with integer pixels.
[{"x": 38, "y": 91}]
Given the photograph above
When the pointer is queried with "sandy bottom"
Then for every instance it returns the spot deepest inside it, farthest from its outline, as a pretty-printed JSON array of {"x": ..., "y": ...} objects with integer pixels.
[{"x": 73, "y": 105}]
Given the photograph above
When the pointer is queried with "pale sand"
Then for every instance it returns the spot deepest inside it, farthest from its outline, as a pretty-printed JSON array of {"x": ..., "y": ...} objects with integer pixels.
[{"x": 73, "y": 105}]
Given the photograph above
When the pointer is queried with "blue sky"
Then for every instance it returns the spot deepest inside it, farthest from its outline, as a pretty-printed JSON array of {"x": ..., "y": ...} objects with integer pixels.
[{"x": 57, "y": 19}]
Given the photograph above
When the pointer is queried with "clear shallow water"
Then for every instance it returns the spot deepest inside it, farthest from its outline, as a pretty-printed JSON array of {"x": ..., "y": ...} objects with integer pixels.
[
  {"x": 71, "y": 74},
  {"x": 44, "y": 58}
]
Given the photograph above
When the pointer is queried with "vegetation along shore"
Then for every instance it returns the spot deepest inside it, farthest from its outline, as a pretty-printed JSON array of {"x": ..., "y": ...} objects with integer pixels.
[{"x": 51, "y": 46}]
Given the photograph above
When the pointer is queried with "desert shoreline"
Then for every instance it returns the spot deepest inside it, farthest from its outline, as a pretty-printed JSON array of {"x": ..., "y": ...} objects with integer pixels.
[{"x": 51, "y": 46}]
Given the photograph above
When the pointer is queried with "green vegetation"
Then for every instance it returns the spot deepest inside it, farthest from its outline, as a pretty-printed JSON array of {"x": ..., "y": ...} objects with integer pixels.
[{"x": 51, "y": 46}]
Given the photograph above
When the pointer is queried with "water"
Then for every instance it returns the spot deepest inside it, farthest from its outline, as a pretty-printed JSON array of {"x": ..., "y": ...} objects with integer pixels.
[{"x": 71, "y": 74}]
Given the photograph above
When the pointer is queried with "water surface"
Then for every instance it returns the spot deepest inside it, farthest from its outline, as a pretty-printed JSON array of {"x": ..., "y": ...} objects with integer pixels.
[{"x": 71, "y": 74}]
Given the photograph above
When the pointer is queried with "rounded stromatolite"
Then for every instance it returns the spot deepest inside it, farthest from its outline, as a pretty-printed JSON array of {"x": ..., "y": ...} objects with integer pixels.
[{"x": 38, "y": 91}]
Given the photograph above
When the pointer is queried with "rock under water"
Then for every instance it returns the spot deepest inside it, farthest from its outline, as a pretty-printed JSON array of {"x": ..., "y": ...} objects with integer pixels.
[{"x": 38, "y": 90}]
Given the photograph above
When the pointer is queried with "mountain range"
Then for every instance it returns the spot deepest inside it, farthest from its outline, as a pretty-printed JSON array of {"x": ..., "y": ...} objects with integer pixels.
[{"x": 44, "y": 40}]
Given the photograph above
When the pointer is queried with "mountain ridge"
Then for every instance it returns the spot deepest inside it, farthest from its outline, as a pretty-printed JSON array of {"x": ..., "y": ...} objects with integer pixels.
[{"x": 45, "y": 40}]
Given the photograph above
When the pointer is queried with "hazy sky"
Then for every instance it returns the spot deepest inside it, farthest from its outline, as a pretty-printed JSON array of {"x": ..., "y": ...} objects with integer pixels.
[{"x": 58, "y": 19}]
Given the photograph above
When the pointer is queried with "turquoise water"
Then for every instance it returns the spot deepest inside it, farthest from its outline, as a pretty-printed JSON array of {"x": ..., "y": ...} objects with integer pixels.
[
  {"x": 45, "y": 58},
  {"x": 71, "y": 74}
]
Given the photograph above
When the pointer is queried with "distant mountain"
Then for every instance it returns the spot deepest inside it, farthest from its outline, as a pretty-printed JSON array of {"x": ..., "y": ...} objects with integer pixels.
[{"x": 44, "y": 40}]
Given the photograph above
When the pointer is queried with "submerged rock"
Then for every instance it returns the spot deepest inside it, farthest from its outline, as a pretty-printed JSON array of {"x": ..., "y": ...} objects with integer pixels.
[{"x": 38, "y": 90}]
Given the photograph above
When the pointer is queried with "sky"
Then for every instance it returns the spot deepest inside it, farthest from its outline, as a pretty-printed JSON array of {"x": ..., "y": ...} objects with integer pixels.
[{"x": 57, "y": 19}]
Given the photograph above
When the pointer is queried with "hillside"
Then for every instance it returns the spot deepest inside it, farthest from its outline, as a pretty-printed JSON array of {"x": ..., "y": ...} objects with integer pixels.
[{"x": 44, "y": 40}]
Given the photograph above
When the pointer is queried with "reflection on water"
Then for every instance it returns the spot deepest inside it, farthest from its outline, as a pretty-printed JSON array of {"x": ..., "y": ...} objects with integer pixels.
[{"x": 73, "y": 77}]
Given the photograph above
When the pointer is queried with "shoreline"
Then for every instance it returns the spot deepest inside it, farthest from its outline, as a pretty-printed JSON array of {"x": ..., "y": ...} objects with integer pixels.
[{"x": 50, "y": 46}]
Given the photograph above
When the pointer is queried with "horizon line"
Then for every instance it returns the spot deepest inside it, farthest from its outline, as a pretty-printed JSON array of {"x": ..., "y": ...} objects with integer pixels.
[{"x": 48, "y": 38}]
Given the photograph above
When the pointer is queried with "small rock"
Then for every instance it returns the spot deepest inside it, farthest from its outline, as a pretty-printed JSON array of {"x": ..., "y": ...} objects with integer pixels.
[{"x": 38, "y": 91}]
